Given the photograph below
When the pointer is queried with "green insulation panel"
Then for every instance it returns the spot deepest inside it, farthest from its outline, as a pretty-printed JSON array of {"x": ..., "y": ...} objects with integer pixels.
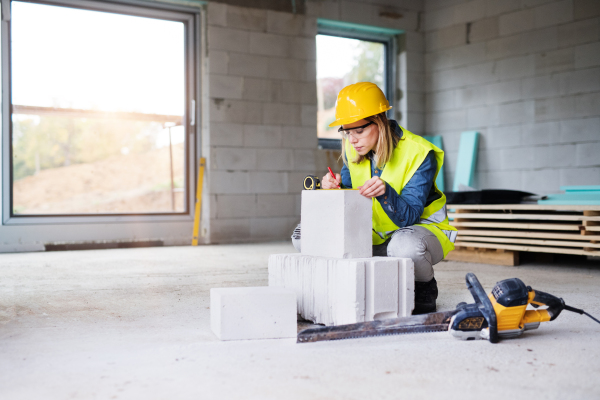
[{"x": 467, "y": 159}]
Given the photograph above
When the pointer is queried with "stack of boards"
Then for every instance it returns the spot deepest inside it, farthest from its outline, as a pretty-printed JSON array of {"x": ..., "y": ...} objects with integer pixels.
[{"x": 496, "y": 233}]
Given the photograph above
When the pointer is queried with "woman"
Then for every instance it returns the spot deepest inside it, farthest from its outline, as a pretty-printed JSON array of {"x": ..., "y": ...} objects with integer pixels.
[{"x": 396, "y": 169}]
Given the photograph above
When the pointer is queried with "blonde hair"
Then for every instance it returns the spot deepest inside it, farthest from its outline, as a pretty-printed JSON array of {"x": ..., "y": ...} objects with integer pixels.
[{"x": 386, "y": 142}]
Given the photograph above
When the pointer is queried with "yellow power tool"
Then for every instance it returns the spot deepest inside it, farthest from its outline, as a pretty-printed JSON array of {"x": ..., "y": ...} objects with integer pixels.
[{"x": 501, "y": 315}]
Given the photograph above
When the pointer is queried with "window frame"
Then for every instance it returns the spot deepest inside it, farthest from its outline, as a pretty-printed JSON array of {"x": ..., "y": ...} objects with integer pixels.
[
  {"x": 191, "y": 19},
  {"x": 390, "y": 67}
]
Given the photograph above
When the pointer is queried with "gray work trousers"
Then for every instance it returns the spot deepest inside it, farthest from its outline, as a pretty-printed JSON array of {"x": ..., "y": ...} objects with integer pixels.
[{"x": 414, "y": 242}]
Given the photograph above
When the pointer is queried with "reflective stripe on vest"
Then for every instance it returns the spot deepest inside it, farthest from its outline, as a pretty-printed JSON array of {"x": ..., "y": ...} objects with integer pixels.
[
  {"x": 437, "y": 217},
  {"x": 407, "y": 157},
  {"x": 451, "y": 235}
]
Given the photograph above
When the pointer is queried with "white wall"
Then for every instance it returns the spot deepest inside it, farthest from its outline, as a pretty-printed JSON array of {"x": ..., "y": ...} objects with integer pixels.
[{"x": 529, "y": 81}]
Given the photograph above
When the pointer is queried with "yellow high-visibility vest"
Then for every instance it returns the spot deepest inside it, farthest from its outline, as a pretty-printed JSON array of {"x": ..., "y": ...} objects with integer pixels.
[{"x": 407, "y": 157}]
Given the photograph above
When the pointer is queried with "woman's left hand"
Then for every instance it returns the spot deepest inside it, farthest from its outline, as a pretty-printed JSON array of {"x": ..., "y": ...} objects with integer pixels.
[{"x": 373, "y": 187}]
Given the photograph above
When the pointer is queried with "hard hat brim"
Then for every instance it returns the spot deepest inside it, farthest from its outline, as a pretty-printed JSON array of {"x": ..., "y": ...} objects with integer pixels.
[{"x": 349, "y": 120}]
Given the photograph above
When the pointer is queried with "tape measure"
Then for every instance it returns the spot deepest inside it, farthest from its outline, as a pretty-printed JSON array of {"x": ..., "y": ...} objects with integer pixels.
[{"x": 311, "y": 182}]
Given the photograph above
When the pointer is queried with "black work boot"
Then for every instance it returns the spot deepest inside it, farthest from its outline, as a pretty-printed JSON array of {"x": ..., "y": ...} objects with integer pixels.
[{"x": 425, "y": 295}]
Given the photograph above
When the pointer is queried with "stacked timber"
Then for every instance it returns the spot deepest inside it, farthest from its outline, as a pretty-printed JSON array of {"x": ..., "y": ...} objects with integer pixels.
[{"x": 496, "y": 233}]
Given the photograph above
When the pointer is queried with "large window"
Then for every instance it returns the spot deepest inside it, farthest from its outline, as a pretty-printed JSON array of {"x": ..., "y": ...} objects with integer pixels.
[
  {"x": 97, "y": 105},
  {"x": 341, "y": 61}
]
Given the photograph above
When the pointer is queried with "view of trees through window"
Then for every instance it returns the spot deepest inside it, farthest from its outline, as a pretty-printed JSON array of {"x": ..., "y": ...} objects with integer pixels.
[
  {"x": 97, "y": 116},
  {"x": 341, "y": 62}
]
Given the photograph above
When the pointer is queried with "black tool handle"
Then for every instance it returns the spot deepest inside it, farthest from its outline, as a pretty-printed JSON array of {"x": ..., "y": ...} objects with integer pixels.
[
  {"x": 484, "y": 304},
  {"x": 555, "y": 304}
]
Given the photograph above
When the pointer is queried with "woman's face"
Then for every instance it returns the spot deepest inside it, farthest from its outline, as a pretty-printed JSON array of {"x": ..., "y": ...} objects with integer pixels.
[{"x": 365, "y": 141}]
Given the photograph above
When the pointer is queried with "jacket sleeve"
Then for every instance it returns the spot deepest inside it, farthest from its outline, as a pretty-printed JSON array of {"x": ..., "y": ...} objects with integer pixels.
[
  {"x": 346, "y": 178},
  {"x": 406, "y": 208}
]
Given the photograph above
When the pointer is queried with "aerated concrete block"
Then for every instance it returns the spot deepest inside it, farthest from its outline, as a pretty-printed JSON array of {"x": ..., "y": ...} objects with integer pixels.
[
  {"x": 335, "y": 291},
  {"x": 253, "y": 313},
  {"x": 336, "y": 223}
]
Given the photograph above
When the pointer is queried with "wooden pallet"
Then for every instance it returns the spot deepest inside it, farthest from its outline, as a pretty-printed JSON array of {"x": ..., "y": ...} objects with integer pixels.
[{"x": 512, "y": 228}]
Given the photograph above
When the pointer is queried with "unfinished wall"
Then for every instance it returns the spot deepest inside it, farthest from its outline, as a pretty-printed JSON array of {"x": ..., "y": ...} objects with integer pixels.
[
  {"x": 524, "y": 73},
  {"x": 260, "y": 120}
]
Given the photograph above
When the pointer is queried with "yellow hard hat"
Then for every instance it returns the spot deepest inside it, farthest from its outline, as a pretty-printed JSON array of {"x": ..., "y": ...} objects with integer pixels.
[{"x": 359, "y": 101}]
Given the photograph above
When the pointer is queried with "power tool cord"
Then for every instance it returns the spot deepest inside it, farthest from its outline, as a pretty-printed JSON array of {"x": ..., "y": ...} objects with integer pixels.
[{"x": 579, "y": 311}]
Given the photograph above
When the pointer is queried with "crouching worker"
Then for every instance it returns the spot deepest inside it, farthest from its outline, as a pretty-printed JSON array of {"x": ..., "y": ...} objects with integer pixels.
[{"x": 397, "y": 169}]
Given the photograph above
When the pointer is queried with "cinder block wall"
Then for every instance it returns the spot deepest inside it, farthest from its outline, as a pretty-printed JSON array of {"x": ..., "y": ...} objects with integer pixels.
[
  {"x": 524, "y": 73},
  {"x": 260, "y": 135},
  {"x": 262, "y": 119}
]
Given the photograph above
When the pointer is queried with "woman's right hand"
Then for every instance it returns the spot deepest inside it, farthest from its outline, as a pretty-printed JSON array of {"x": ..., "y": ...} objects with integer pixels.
[{"x": 329, "y": 183}]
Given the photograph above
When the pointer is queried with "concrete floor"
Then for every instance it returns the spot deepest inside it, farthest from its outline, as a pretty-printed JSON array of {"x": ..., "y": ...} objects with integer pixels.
[{"x": 134, "y": 324}]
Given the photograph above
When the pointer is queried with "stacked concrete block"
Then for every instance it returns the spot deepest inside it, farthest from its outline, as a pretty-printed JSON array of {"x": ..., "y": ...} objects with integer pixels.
[
  {"x": 333, "y": 291},
  {"x": 252, "y": 313},
  {"x": 336, "y": 223},
  {"x": 335, "y": 279}
]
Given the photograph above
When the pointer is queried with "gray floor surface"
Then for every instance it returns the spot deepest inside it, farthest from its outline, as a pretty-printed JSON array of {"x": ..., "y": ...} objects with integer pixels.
[{"x": 134, "y": 324}]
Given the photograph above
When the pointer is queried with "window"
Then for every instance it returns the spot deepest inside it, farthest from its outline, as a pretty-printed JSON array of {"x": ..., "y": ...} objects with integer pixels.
[
  {"x": 97, "y": 104},
  {"x": 345, "y": 57}
]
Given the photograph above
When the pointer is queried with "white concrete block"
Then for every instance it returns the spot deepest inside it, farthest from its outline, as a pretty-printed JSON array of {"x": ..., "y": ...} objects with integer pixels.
[
  {"x": 344, "y": 291},
  {"x": 217, "y": 14},
  {"x": 226, "y": 182},
  {"x": 227, "y": 39},
  {"x": 587, "y": 155},
  {"x": 236, "y": 111},
  {"x": 226, "y": 87},
  {"x": 289, "y": 24},
  {"x": 310, "y": 72},
  {"x": 275, "y": 205},
  {"x": 336, "y": 223},
  {"x": 579, "y": 32},
  {"x": 269, "y": 44},
  {"x": 218, "y": 62},
  {"x": 305, "y": 160},
  {"x": 262, "y": 136},
  {"x": 299, "y": 137},
  {"x": 272, "y": 228},
  {"x": 253, "y": 313},
  {"x": 234, "y": 158},
  {"x": 381, "y": 299},
  {"x": 587, "y": 55},
  {"x": 229, "y": 230},
  {"x": 579, "y": 130},
  {"x": 554, "y": 61},
  {"x": 287, "y": 69},
  {"x": 554, "y": 156},
  {"x": 308, "y": 115},
  {"x": 236, "y": 206},
  {"x": 519, "y": 21},
  {"x": 249, "y": 19},
  {"x": 554, "y": 13},
  {"x": 274, "y": 159},
  {"x": 257, "y": 89},
  {"x": 225, "y": 134},
  {"x": 248, "y": 65},
  {"x": 268, "y": 182},
  {"x": 281, "y": 114}
]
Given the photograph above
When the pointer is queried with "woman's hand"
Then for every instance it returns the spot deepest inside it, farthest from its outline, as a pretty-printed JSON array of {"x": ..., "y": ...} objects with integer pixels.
[
  {"x": 329, "y": 183},
  {"x": 373, "y": 187}
]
